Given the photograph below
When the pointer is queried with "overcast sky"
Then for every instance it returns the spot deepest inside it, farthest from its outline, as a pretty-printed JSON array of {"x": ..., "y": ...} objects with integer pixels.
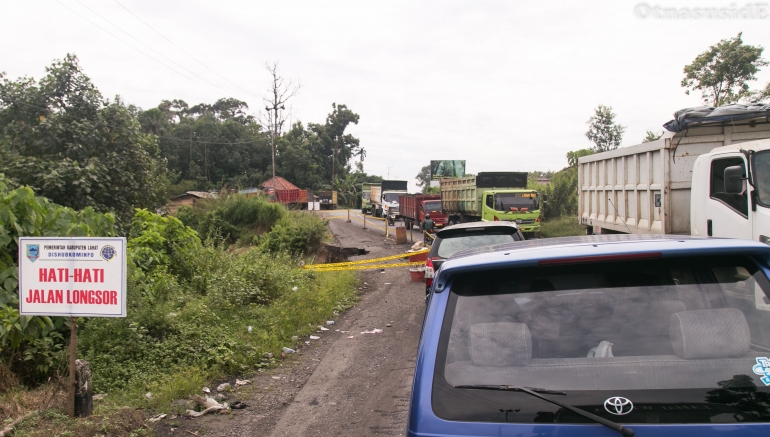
[{"x": 504, "y": 85}]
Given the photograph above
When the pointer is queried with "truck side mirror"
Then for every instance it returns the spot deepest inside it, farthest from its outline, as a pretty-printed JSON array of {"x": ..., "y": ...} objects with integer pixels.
[
  {"x": 734, "y": 176},
  {"x": 545, "y": 197}
]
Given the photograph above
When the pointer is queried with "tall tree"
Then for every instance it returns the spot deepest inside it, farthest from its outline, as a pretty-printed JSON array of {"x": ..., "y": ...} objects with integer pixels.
[
  {"x": 603, "y": 131},
  {"x": 723, "y": 71},
  {"x": 423, "y": 178},
  {"x": 337, "y": 146},
  {"x": 301, "y": 158},
  {"x": 572, "y": 157},
  {"x": 279, "y": 92},
  {"x": 209, "y": 145},
  {"x": 61, "y": 137}
]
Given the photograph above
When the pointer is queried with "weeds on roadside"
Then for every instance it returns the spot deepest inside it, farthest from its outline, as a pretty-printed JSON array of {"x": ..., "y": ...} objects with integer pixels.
[{"x": 561, "y": 227}]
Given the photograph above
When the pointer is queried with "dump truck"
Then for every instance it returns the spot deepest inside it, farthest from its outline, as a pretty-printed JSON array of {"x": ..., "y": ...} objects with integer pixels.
[
  {"x": 386, "y": 204},
  {"x": 413, "y": 207},
  {"x": 293, "y": 199},
  {"x": 492, "y": 196},
  {"x": 375, "y": 192},
  {"x": 708, "y": 176},
  {"x": 327, "y": 199},
  {"x": 366, "y": 197}
]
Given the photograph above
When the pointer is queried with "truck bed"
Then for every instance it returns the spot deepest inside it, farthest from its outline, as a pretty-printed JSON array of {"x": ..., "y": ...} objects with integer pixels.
[{"x": 645, "y": 189}]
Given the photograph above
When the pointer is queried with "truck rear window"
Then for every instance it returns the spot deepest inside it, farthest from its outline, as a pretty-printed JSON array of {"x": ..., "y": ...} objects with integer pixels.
[
  {"x": 451, "y": 245},
  {"x": 684, "y": 340}
]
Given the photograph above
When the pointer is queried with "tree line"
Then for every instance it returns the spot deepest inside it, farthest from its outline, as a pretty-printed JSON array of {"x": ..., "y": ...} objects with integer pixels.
[{"x": 63, "y": 138}]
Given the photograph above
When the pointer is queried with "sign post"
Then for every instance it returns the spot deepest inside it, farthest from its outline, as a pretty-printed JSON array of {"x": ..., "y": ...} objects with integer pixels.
[{"x": 72, "y": 277}]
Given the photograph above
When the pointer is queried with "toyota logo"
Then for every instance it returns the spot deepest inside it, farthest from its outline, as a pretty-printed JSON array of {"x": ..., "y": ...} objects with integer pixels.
[
  {"x": 518, "y": 221},
  {"x": 618, "y": 406}
]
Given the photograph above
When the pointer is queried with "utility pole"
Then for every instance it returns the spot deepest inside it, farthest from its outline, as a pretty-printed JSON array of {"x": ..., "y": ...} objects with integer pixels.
[
  {"x": 389, "y": 171},
  {"x": 334, "y": 156},
  {"x": 281, "y": 90},
  {"x": 274, "y": 125}
]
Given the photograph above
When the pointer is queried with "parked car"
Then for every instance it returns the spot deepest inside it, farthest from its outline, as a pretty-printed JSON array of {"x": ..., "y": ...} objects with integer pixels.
[
  {"x": 453, "y": 239},
  {"x": 603, "y": 335}
]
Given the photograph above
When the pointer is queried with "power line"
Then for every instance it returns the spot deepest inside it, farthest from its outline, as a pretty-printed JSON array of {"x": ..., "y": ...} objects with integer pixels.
[
  {"x": 124, "y": 42},
  {"x": 149, "y": 47},
  {"x": 185, "y": 52}
]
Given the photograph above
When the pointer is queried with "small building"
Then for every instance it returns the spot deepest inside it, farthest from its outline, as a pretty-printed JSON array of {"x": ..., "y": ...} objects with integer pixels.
[
  {"x": 543, "y": 180},
  {"x": 189, "y": 198},
  {"x": 277, "y": 183}
]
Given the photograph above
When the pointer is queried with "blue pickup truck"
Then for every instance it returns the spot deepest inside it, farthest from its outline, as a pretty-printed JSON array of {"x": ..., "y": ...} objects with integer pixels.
[{"x": 608, "y": 335}]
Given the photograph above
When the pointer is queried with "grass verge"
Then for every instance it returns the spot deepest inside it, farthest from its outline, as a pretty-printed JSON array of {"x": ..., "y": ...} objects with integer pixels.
[
  {"x": 562, "y": 227},
  {"x": 293, "y": 313}
]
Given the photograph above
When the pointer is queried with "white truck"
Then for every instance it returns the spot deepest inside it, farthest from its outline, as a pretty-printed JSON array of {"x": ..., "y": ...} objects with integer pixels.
[
  {"x": 386, "y": 204},
  {"x": 693, "y": 181}
]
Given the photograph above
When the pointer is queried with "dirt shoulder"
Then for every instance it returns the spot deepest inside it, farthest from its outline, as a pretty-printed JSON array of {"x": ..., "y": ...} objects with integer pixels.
[{"x": 337, "y": 385}]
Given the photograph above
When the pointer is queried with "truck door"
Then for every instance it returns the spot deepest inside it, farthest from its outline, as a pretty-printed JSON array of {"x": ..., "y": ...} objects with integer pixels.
[
  {"x": 727, "y": 214},
  {"x": 488, "y": 210},
  {"x": 761, "y": 173}
]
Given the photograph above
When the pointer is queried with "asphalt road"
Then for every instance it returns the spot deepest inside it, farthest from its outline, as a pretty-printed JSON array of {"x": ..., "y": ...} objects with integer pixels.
[{"x": 338, "y": 385}]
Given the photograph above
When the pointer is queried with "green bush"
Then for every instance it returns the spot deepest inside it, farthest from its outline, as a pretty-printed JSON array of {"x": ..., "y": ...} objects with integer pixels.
[
  {"x": 157, "y": 241},
  {"x": 256, "y": 211},
  {"x": 177, "y": 323},
  {"x": 562, "y": 227},
  {"x": 31, "y": 344},
  {"x": 188, "y": 216},
  {"x": 562, "y": 194},
  {"x": 300, "y": 233}
]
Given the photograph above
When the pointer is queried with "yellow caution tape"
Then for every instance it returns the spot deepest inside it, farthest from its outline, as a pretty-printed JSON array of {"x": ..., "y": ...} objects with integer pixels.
[
  {"x": 377, "y": 218},
  {"x": 380, "y": 266},
  {"x": 367, "y": 261},
  {"x": 429, "y": 234}
]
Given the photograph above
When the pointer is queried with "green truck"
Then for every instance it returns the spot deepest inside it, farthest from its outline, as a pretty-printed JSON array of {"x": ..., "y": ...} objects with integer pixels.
[
  {"x": 492, "y": 196},
  {"x": 366, "y": 197}
]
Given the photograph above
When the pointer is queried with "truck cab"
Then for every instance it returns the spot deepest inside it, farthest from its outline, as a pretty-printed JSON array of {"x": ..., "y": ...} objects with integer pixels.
[
  {"x": 387, "y": 206},
  {"x": 366, "y": 198},
  {"x": 729, "y": 201},
  {"x": 520, "y": 206}
]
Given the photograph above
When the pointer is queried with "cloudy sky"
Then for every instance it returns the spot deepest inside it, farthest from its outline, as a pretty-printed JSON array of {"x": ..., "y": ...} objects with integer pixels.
[{"x": 502, "y": 84}]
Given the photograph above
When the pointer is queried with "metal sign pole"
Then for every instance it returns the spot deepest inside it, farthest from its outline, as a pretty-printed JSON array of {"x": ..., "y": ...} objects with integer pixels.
[
  {"x": 348, "y": 216},
  {"x": 73, "y": 353}
]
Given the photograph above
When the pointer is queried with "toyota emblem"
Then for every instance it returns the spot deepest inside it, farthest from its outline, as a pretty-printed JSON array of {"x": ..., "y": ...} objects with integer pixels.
[
  {"x": 518, "y": 221},
  {"x": 618, "y": 406}
]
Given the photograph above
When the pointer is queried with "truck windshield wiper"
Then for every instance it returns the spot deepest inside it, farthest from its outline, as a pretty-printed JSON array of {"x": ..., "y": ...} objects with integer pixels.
[{"x": 625, "y": 431}]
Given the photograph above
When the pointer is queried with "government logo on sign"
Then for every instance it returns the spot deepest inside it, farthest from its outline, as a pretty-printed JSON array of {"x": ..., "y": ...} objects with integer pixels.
[
  {"x": 33, "y": 252},
  {"x": 108, "y": 252}
]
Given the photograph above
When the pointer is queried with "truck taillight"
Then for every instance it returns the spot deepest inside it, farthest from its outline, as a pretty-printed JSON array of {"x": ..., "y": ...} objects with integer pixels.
[
  {"x": 497, "y": 219},
  {"x": 429, "y": 272},
  {"x": 538, "y": 219}
]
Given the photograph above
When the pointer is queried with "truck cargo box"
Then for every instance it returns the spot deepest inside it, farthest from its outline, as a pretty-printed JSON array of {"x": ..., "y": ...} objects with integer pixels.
[
  {"x": 394, "y": 185},
  {"x": 645, "y": 188},
  {"x": 287, "y": 196},
  {"x": 501, "y": 179},
  {"x": 462, "y": 195}
]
